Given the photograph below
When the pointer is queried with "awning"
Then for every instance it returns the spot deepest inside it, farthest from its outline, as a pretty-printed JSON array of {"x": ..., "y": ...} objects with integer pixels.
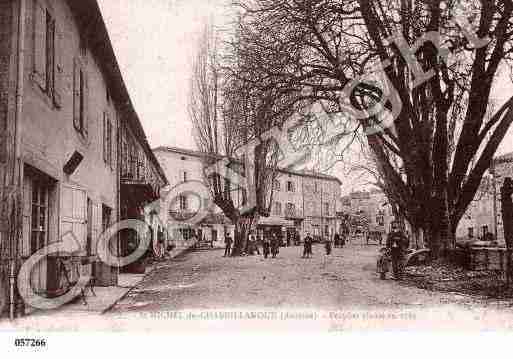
[
  {"x": 275, "y": 221},
  {"x": 137, "y": 193}
]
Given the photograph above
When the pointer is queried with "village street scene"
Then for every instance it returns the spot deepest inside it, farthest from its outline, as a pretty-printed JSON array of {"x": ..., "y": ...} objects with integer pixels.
[{"x": 342, "y": 164}]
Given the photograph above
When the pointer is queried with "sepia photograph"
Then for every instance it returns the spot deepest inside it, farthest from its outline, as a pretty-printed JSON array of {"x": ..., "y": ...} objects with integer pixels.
[{"x": 284, "y": 166}]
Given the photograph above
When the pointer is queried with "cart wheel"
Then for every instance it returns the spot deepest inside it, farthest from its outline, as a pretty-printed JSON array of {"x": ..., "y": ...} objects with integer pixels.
[{"x": 382, "y": 275}]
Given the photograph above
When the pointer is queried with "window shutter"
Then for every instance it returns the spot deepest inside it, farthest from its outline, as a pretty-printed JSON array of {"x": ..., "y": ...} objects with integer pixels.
[
  {"x": 74, "y": 213},
  {"x": 76, "y": 94},
  {"x": 40, "y": 44},
  {"x": 112, "y": 153},
  {"x": 59, "y": 87},
  {"x": 86, "y": 101},
  {"x": 97, "y": 226},
  {"x": 105, "y": 137},
  {"x": 27, "y": 208}
]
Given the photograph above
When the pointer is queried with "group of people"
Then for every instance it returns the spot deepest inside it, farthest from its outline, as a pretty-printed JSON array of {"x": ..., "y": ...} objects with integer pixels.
[
  {"x": 270, "y": 245},
  {"x": 397, "y": 243}
]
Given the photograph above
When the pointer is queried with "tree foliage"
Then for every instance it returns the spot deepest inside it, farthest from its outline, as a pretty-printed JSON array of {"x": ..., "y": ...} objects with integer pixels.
[{"x": 421, "y": 72}]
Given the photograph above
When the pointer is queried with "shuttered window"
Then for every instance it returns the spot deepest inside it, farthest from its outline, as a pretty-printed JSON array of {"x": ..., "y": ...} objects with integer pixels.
[
  {"x": 183, "y": 203},
  {"x": 39, "y": 216},
  {"x": 290, "y": 186},
  {"x": 73, "y": 212},
  {"x": 48, "y": 53},
  {"x": 277, "y": 209}
]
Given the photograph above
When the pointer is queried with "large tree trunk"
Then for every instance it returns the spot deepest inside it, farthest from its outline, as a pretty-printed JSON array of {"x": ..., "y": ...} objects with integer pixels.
[
  {"x": 240, "y": 238},
  {"x": 418, "y": 237},
  {"x": 243, "y": 226}
]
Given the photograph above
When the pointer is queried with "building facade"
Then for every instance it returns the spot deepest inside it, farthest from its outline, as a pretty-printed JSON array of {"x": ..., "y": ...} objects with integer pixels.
[
  {"x": 65, "y": 115},
  {"x": 371, "y": 208},
  {"x": 484, "y": 214},
  {"x": 302, "y": 201}
]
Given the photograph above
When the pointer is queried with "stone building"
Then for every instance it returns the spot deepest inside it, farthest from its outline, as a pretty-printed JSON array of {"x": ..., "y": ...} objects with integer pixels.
[
  {"x": 321, "y": 200},
  {"x": 484, "y": 214},
  {"x": 69, "y": 133}
]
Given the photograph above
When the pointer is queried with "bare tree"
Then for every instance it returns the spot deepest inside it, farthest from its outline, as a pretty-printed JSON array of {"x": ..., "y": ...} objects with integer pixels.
[
  {"x": 232, "y": 109},
  {"x": 433, "y": 153}
]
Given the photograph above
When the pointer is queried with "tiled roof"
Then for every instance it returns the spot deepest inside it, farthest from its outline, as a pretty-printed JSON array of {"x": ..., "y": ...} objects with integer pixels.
[{"x": 200, "y": 154}]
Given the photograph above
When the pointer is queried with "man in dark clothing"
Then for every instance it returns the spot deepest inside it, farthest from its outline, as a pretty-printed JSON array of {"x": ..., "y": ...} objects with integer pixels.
[
  {"x": 336, "y": 240},
  {"x": 397, "y": 243},
  {"x": 253, "y": 245},
  {"x": 266, "y": 245},
  {"x": 275, "y": 245},
  {"x": 307, "y": 247},
  {"x": 327, "y": 246},
  {"x": 228, "y": 244}
]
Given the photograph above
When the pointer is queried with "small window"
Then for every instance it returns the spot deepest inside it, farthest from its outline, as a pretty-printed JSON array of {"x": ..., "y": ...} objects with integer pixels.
[
  {"x": 183, "y": 158},
  {"x": 50, "y": 53},
  {"x": 83, "y": 45},
  {"x": 107, "y": 140},
  {"x": 290, "y": 186},
  {"x": 80, "y": 100},
  {"x": 183, "y": 203},
  {"x": 291, "y": 209},
  {"x": 184, "y": 176},
  {"x": 206, "y": 203},
  {"x": 485, "y": 230},
  {"x": 39, "y": 215}
]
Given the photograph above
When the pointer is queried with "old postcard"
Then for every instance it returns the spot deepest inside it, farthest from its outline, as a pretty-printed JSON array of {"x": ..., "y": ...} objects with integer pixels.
[{"x": 201, "y": 166}]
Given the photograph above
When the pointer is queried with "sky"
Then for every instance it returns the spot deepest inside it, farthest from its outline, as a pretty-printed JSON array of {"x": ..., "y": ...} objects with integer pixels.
[{"x": 154, "y": 41}]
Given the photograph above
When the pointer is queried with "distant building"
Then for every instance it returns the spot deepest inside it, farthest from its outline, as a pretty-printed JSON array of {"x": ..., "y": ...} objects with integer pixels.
[
  {"x": 479, "y": 217},
  {"x": 64, "y": 90},
  {"x": 302, "y": 201},
  {"x": 372, "y": 205}
]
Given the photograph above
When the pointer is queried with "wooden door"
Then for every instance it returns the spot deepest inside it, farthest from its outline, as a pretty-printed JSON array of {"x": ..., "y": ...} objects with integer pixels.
[{"x": 74, "y": 219}]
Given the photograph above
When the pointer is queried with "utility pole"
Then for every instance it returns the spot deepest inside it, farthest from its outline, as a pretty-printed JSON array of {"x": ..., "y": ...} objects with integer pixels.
[
  {"x": 494, "y": 199},
  {"x": 322, "y": 219}
]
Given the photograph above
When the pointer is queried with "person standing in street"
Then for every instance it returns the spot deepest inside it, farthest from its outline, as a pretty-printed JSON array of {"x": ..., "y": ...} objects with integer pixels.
[
  {"x": 266, "y": 245},
  {"x": 228, "y": 244},
  {"x": 275, "y": 245},
  {"x": 397, "y": 243},
  {"x": 328, "y": 245},
  {"x": 336, "y": 240}
]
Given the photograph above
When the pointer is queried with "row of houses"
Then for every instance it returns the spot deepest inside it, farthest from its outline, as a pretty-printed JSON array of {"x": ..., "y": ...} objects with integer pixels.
[
  {"x": 372, "y": 206},
  {"x": 302, "y": 201},
  {"x": 73, "y": 154}
]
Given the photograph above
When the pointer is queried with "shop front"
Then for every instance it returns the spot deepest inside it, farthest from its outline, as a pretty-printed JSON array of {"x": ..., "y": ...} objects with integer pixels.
[
  {"x": 134, "y": 196},
  {"x": 267, "y": 226}
]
